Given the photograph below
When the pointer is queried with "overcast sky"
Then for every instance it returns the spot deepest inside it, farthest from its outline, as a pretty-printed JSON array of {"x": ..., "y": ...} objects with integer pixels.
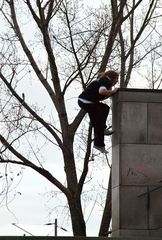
[{"x": 29, "y": 210}]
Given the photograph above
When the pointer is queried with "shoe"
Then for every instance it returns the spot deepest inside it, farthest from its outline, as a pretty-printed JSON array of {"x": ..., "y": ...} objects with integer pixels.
[
  {"x": 101, "y": 149},
  {"x": 108, "y": 132}
]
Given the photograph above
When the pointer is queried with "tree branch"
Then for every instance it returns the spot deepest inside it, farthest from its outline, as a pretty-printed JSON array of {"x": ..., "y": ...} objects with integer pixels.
[
  {"x": 86, "y": 160},
  {"x": 106, "y": 218},
  {"x": 27, "y": 163},
  {"x": 32, "y": 112},
  {"x": 29, "y": 55},
  {"x": 145, "y": 23}
]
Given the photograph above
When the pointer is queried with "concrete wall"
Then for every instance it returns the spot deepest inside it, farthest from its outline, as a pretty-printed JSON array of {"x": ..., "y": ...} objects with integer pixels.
[{"x": 137, "y": 163}]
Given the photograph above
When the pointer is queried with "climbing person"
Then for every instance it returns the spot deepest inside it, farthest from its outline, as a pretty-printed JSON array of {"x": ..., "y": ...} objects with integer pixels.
[{"x": 89, "y": 100}]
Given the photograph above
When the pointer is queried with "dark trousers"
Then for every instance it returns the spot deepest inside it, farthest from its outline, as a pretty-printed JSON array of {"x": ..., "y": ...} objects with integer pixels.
[{"x": 98, "y": 113}]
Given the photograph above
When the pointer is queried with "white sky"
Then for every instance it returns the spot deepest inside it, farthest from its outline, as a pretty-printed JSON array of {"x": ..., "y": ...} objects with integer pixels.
[{"x": 29, "y": 210}]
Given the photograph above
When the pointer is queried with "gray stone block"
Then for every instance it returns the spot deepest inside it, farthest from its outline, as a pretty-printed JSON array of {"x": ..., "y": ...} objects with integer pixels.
[
  {"x": 155, "y": 123},
  {"x": 115, "y": 166},
  {"x": 133, "y": 208},
  {"x": 116, "y": 122},
  {"x": 131, "y": 234},
  {"x": 129, "y": 123},
  {"x": 115, "y": 208},
  {"x": 141, "y": 164},
  {"x": 133, "y": 122},
  {"x": 137, "y": 163},
  {"x": 129, "y": 208},
  {"x": 155, "y": 233},
  {"x": 139, "y": 95},
  {"x": 155, "y": 208}
]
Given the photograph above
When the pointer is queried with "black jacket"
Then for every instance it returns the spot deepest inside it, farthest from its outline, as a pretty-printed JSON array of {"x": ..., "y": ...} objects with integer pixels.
[{"x": 91, "y": 93}]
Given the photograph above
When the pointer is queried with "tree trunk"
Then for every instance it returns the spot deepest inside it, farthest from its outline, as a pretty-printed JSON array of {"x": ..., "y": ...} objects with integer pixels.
[
  {"x": 74, "y": 196},
  {"x": 106, "y": 218},
  {"x": 78, "y": 223}
]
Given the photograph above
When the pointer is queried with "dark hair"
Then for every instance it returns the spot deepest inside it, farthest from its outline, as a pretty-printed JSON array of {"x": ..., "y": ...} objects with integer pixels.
[{"x": 111, "y": 74}]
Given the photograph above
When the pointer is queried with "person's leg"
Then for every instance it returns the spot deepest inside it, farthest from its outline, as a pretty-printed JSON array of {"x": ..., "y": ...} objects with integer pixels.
[
  {"x": 105, "y": 110},
  {"x": 97, "y": 117},
  {"x": 98, "y": 113}
]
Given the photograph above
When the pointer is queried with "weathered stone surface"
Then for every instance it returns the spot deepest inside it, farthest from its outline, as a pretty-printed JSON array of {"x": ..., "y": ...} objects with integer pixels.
[
  {"x": 139, "y": 95},
  {"x": 133, "y": 208},
  {"x": 137, "y": 163},
  {"x": 155, "y": 123},
  {"x": 133, "y": 214},
  {"x": 155, "y": 208},
  {"x": 131, "y": 234},
  {"x": 115, "y": 166},
  {"x": 133, "y": 127},
  {"x": 141, "y": 164},
  {"x": 116, "y": 208}
]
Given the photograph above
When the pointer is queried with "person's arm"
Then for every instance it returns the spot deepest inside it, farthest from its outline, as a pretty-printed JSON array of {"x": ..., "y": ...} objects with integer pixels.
[{"x": 104, "y": 91}]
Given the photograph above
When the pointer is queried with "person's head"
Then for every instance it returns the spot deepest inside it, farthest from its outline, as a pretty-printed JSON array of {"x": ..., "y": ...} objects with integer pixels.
[{"x": 114, "y": 76}]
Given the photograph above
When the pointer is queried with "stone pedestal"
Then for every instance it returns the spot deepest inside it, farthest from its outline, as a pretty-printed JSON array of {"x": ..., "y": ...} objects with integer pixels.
[{"x": 137, "y": 163}]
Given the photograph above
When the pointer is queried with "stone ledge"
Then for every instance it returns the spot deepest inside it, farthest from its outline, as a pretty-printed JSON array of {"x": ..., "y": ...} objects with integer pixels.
[{"x": 138, "y": 95}]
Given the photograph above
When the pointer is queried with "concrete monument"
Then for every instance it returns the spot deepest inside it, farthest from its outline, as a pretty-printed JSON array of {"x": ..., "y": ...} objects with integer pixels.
[{"x": 137, "y": 163}]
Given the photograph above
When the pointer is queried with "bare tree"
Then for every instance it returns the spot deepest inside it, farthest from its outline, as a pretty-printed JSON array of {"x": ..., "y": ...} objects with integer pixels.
[{"x": 62, "y": 49}]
